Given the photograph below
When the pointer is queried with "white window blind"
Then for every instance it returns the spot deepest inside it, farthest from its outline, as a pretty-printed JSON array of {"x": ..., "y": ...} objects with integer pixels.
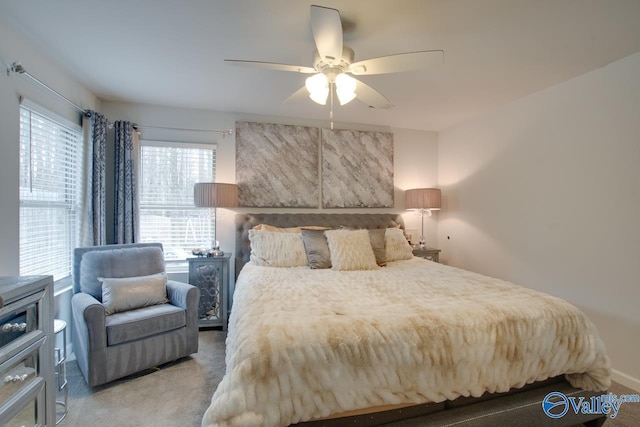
[
  {"x": 167, "y": 213},
  {"x": 50, "y": 168}
]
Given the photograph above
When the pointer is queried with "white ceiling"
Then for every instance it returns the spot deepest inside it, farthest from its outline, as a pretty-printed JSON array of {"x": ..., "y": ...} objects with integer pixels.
[{"x": 169, "y": 52}]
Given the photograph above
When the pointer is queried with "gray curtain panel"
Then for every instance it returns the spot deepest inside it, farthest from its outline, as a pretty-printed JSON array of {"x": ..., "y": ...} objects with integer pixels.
[
  {"x": 99, "y": 126},
  {"x": 126, "y": 216},
  {"x": 93, "y": 223}
]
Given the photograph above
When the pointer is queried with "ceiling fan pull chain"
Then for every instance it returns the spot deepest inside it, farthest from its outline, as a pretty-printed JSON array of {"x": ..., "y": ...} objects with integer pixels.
[{"x": 331, "y": 87}]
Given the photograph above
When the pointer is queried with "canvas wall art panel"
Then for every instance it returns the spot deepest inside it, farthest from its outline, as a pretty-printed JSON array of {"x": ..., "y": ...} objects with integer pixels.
[
  {"x": 357, "y": 169},
  {"x": 277, "y": 165}
]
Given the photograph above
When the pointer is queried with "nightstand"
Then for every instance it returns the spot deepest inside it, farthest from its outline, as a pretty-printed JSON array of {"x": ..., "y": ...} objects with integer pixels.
[
  {"x": 211, "y": 276},
  {"x": 432, "y": 254}
]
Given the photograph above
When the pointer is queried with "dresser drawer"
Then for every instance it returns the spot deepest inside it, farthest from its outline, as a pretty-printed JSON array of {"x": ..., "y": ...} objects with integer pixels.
[
  {"x": 26, "y": 407},
  {"x": 19, "y": 372},
  {"x": 27, "y": 417},
  {"x": 17, "y": 319},
  {"x": 12, "y": 328},
  {"x": 27, "y": 390}
]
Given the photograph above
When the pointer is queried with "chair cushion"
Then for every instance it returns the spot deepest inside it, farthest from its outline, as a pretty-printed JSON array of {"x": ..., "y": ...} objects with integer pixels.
[
  {"x": 143, "y": 322},
  {"x": 123, "y": 262}
]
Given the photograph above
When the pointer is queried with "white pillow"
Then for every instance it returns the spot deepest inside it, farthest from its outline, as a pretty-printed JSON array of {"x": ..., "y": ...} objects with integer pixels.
[
  {"x": 397, "y": 247},
  {"x": 276, "y": 249},
  {"x": 128, "y": 293},
  {"x": 351, "y": 250}
]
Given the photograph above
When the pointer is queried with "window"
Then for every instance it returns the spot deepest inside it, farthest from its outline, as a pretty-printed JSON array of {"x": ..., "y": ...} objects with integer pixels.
[
  {"x": 168, "y": 173},
  {"x": 50, "y": 178}
]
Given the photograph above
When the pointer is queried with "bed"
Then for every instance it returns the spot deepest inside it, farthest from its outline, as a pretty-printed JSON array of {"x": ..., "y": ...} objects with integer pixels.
[{"x": 413, "y": 338}]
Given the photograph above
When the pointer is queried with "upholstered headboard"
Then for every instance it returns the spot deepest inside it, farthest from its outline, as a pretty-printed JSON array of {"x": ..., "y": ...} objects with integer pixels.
[{"x": 245, "y": 222}]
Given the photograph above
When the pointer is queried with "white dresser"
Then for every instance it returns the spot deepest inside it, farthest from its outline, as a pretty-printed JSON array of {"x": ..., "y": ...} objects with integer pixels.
[{"x": 27, "y": 394}]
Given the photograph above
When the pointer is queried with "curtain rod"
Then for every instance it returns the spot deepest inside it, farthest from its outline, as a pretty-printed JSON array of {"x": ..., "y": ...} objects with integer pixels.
[
  {"x": 19, "y": 69},
  {"x": 223, "y": 132}
]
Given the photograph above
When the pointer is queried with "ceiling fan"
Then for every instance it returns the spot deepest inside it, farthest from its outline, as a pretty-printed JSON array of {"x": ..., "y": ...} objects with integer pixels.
[{"x": 333, "y": 64}]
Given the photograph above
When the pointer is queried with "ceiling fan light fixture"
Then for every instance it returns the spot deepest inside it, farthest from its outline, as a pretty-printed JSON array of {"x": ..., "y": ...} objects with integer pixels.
[
  {"x": 320, "y": 97},
  {"x": 345, "y": 98},
  {"x": 345, "y": 88},
  {"x": 318, "y": 87}
]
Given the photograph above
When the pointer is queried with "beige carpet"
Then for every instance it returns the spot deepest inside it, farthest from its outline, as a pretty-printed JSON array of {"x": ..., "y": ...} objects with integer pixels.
[{"x": 177, "y": 394}]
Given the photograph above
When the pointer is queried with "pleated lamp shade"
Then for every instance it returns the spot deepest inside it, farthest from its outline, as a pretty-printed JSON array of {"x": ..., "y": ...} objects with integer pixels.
[
  {"x": 215, "y": 195},
  {"x": 422, "y": 198}
]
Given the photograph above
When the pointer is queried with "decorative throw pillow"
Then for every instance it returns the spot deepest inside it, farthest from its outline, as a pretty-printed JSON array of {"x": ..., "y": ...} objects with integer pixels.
[
  {"x": 350, "y": 250},
  {"x": 277, "y": 249},
  {"x": 377, "y": 238},
  {"x": 128, "y": 293},
  {"x": 397, "y": 247},
  {"x": 317, "y": 249}
]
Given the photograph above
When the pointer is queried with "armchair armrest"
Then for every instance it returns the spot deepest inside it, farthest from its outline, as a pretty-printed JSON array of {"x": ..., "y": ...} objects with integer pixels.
[
  {"x": 89, "y": 334},
  {"x": 187, "y": 297},
  {"x": 180, "y": 294},
  {"x": 89, "y": 317}
]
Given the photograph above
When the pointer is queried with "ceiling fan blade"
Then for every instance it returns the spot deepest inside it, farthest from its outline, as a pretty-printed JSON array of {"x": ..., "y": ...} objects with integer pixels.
[
  {"x": 327, "y": 33},
  {"x": 397, "y": 63},
  {"x": 370, "y": 96},
  {"x": 271, "y": 66},
  {"x": 298, "y": 95}
]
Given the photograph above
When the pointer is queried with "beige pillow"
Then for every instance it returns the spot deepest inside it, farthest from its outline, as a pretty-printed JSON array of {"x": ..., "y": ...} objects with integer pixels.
[
  {"x": 350, "y": 250},
  {"x": 397, "y": 247},
  {"x": 128, "y": 293},
  {"x": 277, "y": 249}
]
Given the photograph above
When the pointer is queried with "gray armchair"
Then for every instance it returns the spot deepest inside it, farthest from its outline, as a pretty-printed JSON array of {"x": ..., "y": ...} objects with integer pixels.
[{"x": 111, "y": 346}]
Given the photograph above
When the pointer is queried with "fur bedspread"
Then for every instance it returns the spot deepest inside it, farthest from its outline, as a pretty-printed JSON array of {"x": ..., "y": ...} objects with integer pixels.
[{"x": 305, "y": 344}]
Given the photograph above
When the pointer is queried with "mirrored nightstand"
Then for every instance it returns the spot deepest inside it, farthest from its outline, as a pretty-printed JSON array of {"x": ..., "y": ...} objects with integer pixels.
[
  {"x": 432, "y": 254},
  {"x": 211, "y": 275}
]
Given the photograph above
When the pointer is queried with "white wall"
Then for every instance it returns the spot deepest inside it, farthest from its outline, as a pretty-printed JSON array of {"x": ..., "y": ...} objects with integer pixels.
[{"x": 545, "y": 192}]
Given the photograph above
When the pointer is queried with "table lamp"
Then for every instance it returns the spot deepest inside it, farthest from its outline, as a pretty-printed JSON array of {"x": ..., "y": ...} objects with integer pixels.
[
  {"x": 215, "y": 195},
  {"x": 422, "y": 200}
]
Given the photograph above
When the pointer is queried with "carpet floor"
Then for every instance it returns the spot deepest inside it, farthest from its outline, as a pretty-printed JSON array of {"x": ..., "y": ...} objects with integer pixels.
[{"x": 177, "y": 394}]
